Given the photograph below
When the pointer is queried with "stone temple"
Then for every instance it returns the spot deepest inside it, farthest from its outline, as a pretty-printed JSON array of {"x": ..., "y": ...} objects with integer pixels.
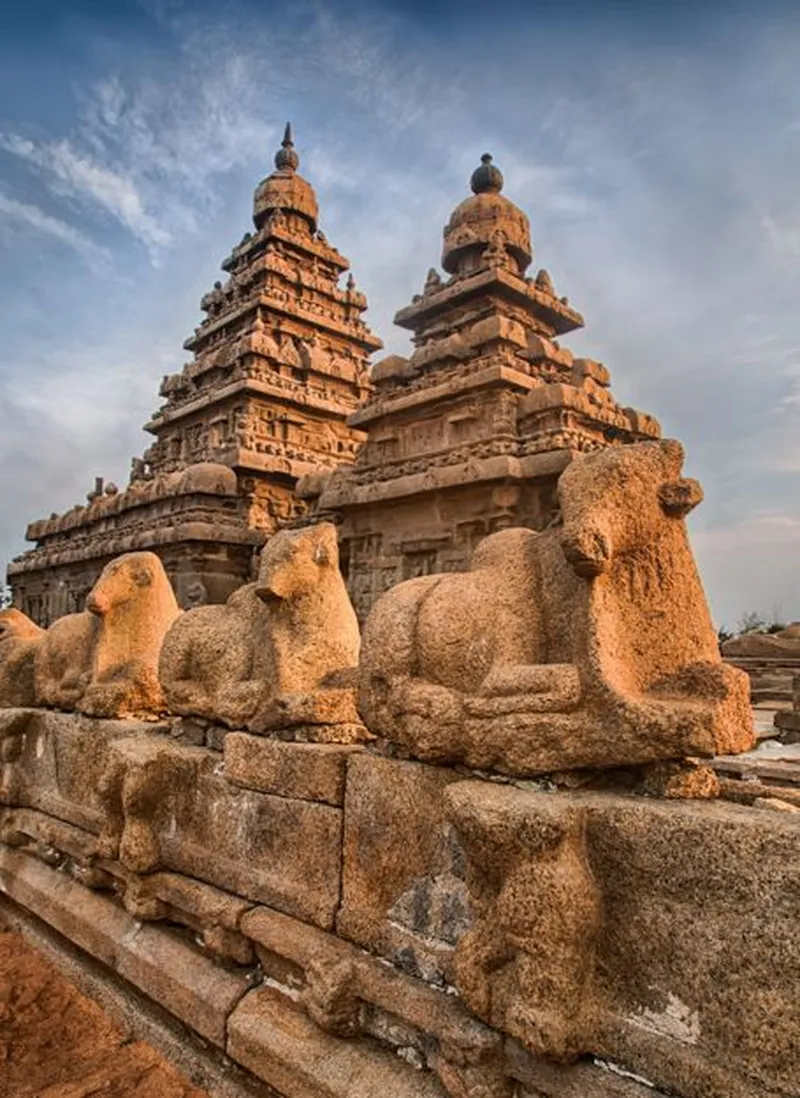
[
  {"x": 510, "y": 836},
  {"x": 277, "y": 420},
  {"x": 279, "y": 362},
  {"x": 469, "y": 434}
]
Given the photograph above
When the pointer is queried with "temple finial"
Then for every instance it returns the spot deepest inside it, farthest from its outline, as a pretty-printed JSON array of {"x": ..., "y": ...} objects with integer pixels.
[
  {"x": 286, "y": 159},
  {"x": 487, "y": 178}
]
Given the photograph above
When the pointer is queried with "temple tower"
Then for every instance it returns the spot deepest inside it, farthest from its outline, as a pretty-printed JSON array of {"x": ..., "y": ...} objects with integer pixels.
[
  {"x": 279, "y": 360},
  {"x": 278, "y": 363},
  {"x": 471, "y": 432}
]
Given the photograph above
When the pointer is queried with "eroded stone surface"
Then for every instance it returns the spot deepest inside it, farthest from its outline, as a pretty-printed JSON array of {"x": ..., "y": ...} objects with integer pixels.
[
  {"x": 167, "y": 807},
  {"x": 168, "y": 970},
  {"x": 402, "y": 892},
  {"x": 312, "y": 772},
  {"x": 279, "y": 1043},
  {"x": 19, "y": 637},
  {"x": 276, "y": 646},
  {"x": 649, "y": 974},
  {"x": 104, "y": 661},
  {"x": 587, "y": 645}
]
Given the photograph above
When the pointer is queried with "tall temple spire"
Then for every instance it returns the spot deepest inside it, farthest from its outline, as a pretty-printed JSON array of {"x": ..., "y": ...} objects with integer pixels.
[
  {"x": 278, "y": 362},
  {"x": 470, "y": 432}
]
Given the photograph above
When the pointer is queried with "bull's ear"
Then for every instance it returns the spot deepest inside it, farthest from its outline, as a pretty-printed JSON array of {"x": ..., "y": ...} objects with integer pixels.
[
  {"x": 679, "y": 497},
  {"x": 321, "y": 554}
]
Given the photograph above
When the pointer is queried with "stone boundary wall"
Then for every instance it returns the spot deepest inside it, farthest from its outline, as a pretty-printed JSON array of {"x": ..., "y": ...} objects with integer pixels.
[{"x": 326, "y": 916}]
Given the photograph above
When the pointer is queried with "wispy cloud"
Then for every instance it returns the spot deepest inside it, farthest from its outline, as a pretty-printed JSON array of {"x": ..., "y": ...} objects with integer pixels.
[
  {"x": 32, "y": 217},
  {"x": 71, "y": 173}
]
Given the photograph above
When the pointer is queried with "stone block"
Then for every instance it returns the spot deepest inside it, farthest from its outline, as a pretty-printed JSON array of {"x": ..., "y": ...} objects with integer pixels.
[
  {"x": 274, "y": 850},
  {"x": 60, "y": 763},
  {"x": 18, "y": 826},
  {"x": 159, "y": 963},
  {"x": 212, "y": 914},
  {"x": 270, "y": 1036},
  {"x": 402, "y": 892},
  {"x": 186, "y": 982},
  {"x": 310, "y": 772},
  {"x": 540, "y": 1079},
  {"x": 694, "y": 915},
  {"x": 432, "y": 1012},
  {"x": 171, "y": 809},
  {"x": 91, "y": 922}
]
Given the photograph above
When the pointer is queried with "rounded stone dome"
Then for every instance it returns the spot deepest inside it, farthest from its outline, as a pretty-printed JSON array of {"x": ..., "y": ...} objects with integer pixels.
[
  {"x": 208, "y": 477},
  {"x": 284, "y": 189},
  {"x": 485, "y": 218}
]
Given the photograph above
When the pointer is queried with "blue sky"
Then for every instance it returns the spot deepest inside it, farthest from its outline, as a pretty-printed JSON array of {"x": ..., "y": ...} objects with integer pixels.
[{"x": 655, "y": 147}]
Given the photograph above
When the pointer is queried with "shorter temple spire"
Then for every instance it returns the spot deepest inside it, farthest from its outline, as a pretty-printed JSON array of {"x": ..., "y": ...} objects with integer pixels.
[{"x": 286, "y": 158}]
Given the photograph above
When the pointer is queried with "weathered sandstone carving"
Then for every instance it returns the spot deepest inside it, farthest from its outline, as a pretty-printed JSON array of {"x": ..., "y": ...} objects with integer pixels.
[
  {"x": 19, "y": 637},
  {"x": 104, "y": 660},
  {"x": 589, "y": 644},
  {"x": 602, "y": 925},
  {"x": 275, "y": 653},
  {"x": 526, "y": 963}
]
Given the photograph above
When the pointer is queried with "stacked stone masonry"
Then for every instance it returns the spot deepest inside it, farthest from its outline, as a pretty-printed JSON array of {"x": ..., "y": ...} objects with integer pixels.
[
  {"x": 278, "y": 363},
  {"x": 484, "y": 846},
  {"x": 468, "y": 894}
]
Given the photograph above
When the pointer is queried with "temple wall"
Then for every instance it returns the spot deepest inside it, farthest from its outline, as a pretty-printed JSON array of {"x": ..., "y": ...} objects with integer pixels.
[
  {"x": 385, "y": 541},
  {"x": 497, "y": 845},
  {"x": 324, "y": 891}
]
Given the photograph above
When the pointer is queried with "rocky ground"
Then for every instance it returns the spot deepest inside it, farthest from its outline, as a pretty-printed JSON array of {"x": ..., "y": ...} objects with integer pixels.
[{"x": 55, "y": 1043}]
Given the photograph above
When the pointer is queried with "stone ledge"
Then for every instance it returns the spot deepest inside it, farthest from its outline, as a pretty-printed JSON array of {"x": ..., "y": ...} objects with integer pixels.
[
  {"x": 166, "y": 969},
  {"x": 307, "y": 771},
  {"x": 139, "y": 1017},
  {"x": 273, "y": 1038}
]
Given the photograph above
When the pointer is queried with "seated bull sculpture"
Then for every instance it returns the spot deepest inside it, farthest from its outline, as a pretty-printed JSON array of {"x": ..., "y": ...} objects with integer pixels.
[
  {"x": 274, "y": 653},
  {"x": 587, "y": 645},
  {"x": 19, "y": 637},
  {"x": 103, "y": 661}
]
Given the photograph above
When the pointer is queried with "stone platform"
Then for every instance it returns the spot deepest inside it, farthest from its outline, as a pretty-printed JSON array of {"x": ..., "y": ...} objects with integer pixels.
[{"x": 337, "y": 922}]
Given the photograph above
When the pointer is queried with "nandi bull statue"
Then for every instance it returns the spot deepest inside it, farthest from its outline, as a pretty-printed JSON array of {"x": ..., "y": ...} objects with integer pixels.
[
  {"x": 587, "y": 645},
  {"x": 19, "y": 637},
  {"x": 103, "y": 661},
  {"x": 278, "y": 653}
]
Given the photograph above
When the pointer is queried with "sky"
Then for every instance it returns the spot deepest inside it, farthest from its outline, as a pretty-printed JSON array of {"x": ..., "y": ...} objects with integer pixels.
[{"x": 655, "y": 148}]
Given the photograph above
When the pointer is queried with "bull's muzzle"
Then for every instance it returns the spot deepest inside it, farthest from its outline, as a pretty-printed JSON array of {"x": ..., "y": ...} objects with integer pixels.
[
  {"x": 97, "y": 604},
  {"x": 588, "y": 551}
]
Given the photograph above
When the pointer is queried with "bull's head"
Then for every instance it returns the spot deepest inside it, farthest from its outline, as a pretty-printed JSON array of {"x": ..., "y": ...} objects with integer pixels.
[
  {"x": 292, "y": 562},
  {"x": 618, "y": 499},
  {"x": 120, "y": 581}
]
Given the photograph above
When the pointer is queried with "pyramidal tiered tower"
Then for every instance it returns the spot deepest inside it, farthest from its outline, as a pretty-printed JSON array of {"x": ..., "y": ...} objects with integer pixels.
[
  {"x": 279, "y": 362},
  {"x": 471, "y": 432}
]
